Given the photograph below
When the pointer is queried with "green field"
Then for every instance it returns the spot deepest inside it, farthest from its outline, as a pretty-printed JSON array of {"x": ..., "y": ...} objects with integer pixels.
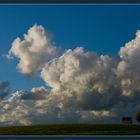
[{"x": 71, "y": 129}]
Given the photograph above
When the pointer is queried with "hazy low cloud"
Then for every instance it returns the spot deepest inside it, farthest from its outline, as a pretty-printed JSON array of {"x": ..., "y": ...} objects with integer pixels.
[
  {"x": 4, "y": 89},
  {"x": 84, "y": 86}
]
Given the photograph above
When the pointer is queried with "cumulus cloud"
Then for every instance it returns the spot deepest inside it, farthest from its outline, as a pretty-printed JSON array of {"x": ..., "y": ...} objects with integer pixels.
[
  {"x": 128, "y": 69},
  {"x": 84, "y": 86},
  {"x": 35, "y": 50},
  {"x": 86, "y": 76},
  {"x": 19, "y": 107},
  {"x": 35, "y": 93},
  {"x": 80, "y": 68}
]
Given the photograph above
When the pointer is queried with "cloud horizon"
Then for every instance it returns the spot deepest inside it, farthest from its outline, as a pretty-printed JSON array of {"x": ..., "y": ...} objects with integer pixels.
[{"x": 84, "y": 87}]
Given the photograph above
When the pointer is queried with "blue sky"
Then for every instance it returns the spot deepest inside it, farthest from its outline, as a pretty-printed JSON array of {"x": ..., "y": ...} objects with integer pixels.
[{"x": 100, "y": 28}]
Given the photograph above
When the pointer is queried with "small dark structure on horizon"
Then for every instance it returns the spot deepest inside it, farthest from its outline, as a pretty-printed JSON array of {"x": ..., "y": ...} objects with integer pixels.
[{"x": 127, "y": 120}]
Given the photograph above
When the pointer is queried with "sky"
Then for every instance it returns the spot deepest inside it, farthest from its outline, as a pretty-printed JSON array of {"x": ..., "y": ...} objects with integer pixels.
[
  {"x": 100, "y": 28},
  {"x": 69, "y": 63}
]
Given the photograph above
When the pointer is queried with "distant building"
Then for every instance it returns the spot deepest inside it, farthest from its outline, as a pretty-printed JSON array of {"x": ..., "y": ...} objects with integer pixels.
[{"x": 127, "y": 120}]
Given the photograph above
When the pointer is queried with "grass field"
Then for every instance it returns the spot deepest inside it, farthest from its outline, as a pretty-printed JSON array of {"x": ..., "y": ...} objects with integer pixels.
[{"x": 72, "y": 129}]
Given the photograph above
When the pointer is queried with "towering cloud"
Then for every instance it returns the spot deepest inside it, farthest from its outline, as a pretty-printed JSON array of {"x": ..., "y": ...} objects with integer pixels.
[
  {"x": 87, "y": 76},
  {"x": 79, "y": 68},
  {"x": 84, "y": 86},
  {"x": 128, "y": 69},
  {"x": 35, "y": 50}
]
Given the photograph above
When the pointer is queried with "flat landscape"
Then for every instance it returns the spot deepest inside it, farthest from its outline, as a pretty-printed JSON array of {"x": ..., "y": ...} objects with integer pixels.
[{"x": 72, "y": 129}]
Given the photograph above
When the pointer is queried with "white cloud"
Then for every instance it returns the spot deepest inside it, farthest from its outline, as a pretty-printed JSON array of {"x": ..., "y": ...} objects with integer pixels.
[
  {"x": 128, "y": 68},
  {"x": 85, "y": 86},
  {"x": 35, "y": 50},
  {"x": 76, "y": 70}
]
